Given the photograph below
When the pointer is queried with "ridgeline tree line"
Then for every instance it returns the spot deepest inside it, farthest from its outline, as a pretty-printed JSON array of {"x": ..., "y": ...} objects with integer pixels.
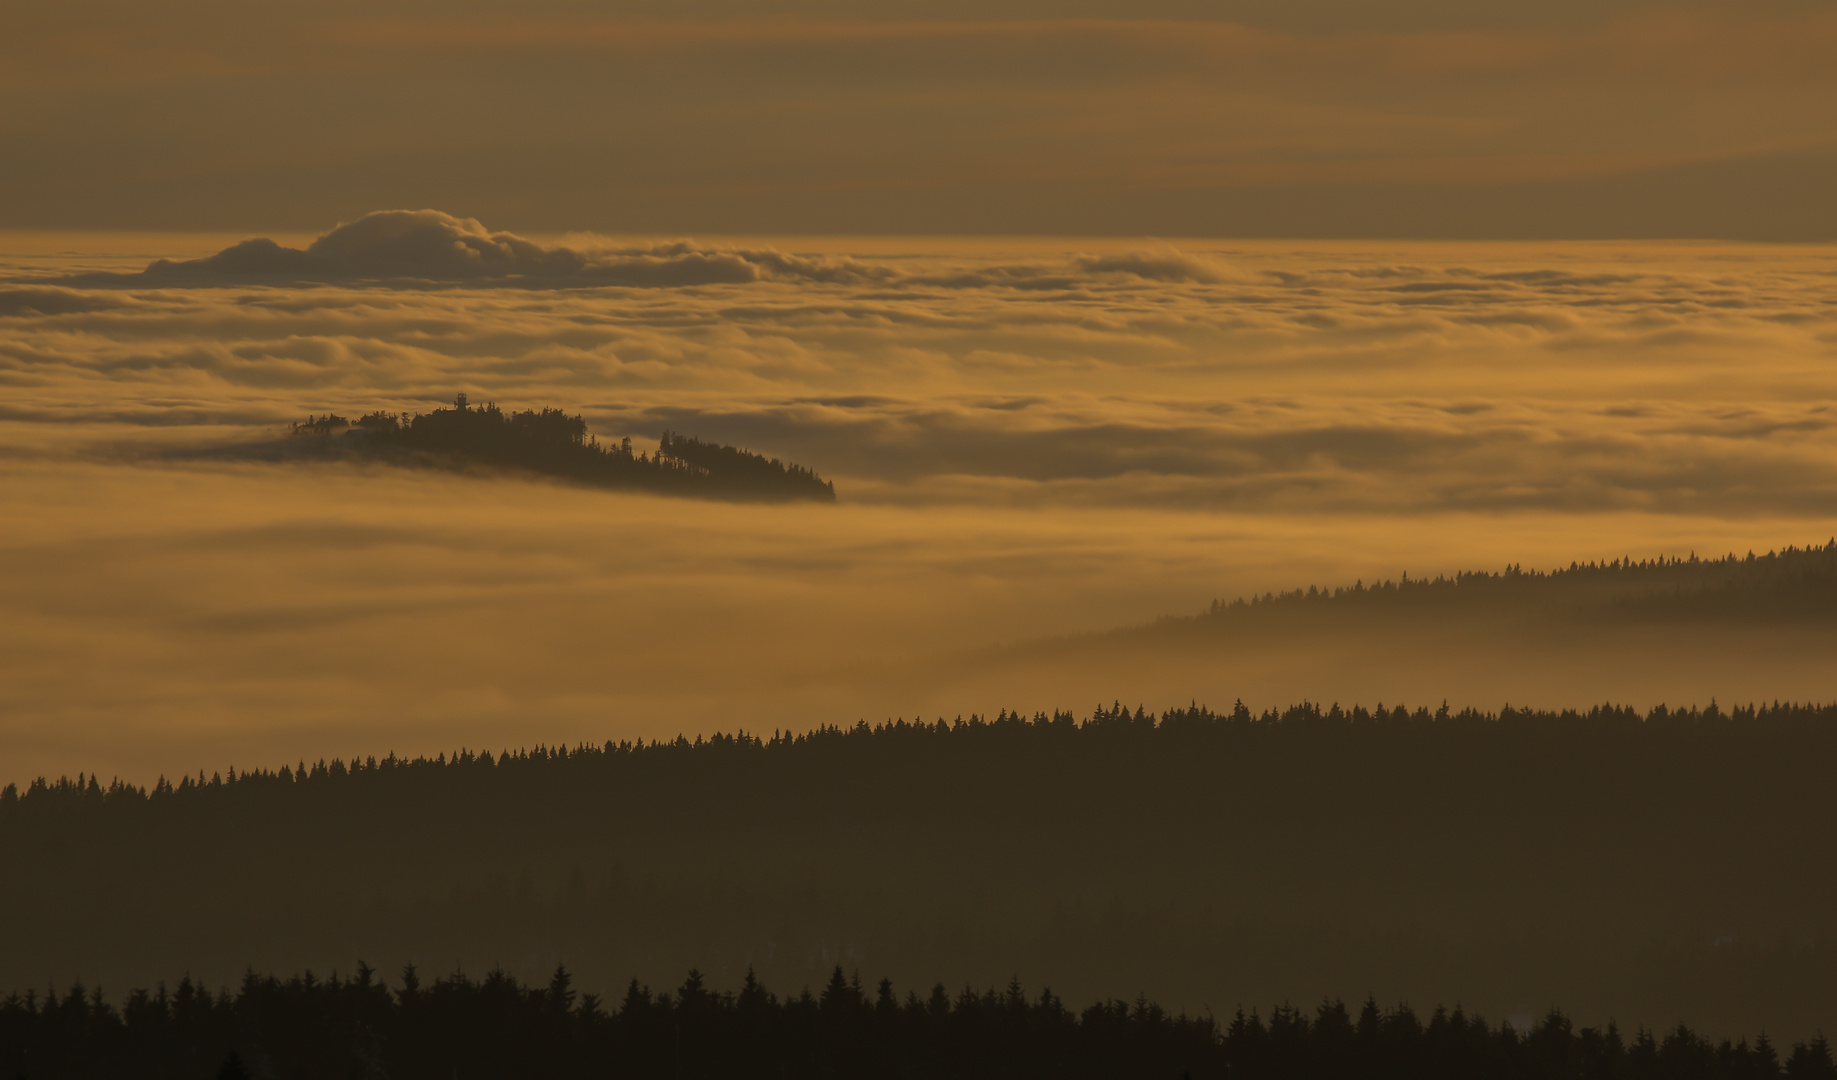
[
  {"x": 463, "y": 1028},
  {"x": 1655, "y": 865},
  {"x": 553, "y": 443},
  {"x": 1794, "y": 584}
]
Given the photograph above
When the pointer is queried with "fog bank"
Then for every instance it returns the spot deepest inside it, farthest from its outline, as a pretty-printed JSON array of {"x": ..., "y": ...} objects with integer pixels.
[{"x": 1028, "y": 439}]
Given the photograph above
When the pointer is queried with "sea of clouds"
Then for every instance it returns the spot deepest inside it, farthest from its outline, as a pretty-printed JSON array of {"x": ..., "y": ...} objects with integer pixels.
[
  {"x": 1530, "y": 376},
  {"x": 1028, "y": 438}
]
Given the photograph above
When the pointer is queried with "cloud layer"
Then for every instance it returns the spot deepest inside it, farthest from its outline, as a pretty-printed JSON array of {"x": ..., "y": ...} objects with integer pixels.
[
  {"x": 1247, "y": 377},
  {"x": 1028, "y": 437}
]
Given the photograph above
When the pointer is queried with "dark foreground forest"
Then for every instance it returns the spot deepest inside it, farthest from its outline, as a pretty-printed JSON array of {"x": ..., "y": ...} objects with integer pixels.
[
  {"x": 1654, "y": 866},
  {"x": 553, "y": 443},
  {"x": 460, "y": 1027}
]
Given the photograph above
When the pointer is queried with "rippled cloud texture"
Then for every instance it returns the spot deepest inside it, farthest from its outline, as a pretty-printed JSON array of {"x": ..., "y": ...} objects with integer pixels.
[{"x": 1028, "y": 438}]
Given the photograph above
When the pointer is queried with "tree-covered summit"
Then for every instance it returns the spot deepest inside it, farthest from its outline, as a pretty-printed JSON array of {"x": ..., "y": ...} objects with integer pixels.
[{"x": 552, "y": 442}]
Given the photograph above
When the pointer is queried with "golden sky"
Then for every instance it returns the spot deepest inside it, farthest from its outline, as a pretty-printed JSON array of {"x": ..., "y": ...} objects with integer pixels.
[{"x": 1320, "y": 118}]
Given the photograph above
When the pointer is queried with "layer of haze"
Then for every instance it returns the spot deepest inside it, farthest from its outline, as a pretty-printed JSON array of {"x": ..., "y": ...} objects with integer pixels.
[
  {"x": 1028, "y": 438},
  {"x": 1330, "y": 118}
]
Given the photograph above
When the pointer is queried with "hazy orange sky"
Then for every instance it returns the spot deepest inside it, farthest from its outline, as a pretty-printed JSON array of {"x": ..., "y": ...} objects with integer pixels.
[{"x": 1319, "y": 118}]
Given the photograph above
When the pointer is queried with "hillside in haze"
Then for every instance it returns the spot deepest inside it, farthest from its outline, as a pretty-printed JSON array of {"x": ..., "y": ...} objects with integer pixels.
[
  {"x": 1678, "y": 630},
  {"x": 552, "y": 443},
  {"x": 1650, "y": 867},
  {"x": 1790, "y": 585}
]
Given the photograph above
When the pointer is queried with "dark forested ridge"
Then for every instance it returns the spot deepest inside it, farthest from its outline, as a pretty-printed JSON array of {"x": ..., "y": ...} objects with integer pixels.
[
  {"x": 1689, "y": 628},
  {"x": 1789, "y": 584},
  {"x": 1656, "y": 866},
  {"x": 553, "y": 443},
  {"x": 496, "y": 1027}
]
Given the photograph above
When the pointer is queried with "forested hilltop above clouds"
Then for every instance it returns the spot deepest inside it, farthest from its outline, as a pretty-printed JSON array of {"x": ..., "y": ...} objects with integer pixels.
[{"x": 553, "y": 443}]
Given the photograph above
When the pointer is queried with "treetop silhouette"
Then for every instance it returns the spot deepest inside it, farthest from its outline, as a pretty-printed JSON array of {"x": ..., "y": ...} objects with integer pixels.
[
  {"x": 500, "y": 1027},
  {"x": 550, "y": 442}
]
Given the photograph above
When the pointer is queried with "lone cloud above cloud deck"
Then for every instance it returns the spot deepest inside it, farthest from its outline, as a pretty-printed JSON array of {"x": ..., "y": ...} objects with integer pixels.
[
  {"x": 427, "y": 245},
  {"x": 421, "y": 246}
]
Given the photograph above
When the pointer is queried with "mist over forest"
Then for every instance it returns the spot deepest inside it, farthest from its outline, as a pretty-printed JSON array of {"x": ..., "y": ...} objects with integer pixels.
[{"x": 1508, "y": 860}]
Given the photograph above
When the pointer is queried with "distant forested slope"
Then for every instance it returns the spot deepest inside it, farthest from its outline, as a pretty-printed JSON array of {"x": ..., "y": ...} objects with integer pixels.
[
  {"x": 1652, "y": 866},
  {"x": 1789, "y": 584},
  {"x": 1675, "y": 630},
  {"x": 553, "y": 443}
]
